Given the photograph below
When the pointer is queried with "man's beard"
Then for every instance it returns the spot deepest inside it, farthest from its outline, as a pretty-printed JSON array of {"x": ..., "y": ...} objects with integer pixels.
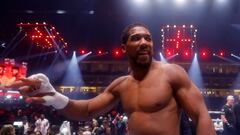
[{"x": 143, "y": 61}]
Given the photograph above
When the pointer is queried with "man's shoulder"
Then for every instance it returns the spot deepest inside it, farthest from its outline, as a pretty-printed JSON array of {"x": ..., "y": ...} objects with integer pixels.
[
  {"x": 121, "y": 79},
  {"x": 172, "y": 70},
  {"x": 167, "y": 66},
  {"x": 225, "y": 107},
  {"x": 117, "y": 83}
]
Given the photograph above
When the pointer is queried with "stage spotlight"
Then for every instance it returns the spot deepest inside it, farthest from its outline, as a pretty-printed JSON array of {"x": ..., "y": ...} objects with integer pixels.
[
  {"x": 161, "y": 1},
  {"x": 169, "y": 53},
  {"x": 221, "y": 56},
  {"x": 73, "y": 76},
  {"x": 204, "y": 54},
  {"x": 186, "y": 53},
  {"x": 235, "y": 56},
  {"x": 61, "y": 12},
  {"x": 117, "y": 53},
  {"x": 140, "y": 2},
  {"x": 221, "y": 1},
  {"x": 82, "y": 51},
  {"x": 99, "y": 52},
  {"x": 194, "y": 72},
  {"x": 172, "y": 56},
  {"x": 9, "y": 96},
  {"x": 221, "y": 53},
  {"x": 91, "y": 12},
  {"x": 162, "y": 59},
  {"x": 180, "y": 2}
]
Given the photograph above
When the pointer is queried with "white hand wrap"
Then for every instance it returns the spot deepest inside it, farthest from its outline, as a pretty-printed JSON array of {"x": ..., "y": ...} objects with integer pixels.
[{"x": 58, "y": 101}]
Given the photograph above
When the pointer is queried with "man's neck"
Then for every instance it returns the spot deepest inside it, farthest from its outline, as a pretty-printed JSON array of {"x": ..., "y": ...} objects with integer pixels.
[
  {"x": 229, "y": 105},
  {"x": 140, "y": 72}
]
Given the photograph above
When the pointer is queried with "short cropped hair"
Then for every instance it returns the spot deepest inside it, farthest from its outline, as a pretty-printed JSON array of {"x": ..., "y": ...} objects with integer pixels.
[
  {"x": 125, "y": 33},
  {"x": 229, "y": 97}
]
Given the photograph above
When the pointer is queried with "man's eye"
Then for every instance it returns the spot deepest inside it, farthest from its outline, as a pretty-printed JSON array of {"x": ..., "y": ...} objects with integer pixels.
[
  {"x": 148, "y": 38},
  {"x": 135, "y": 38}
]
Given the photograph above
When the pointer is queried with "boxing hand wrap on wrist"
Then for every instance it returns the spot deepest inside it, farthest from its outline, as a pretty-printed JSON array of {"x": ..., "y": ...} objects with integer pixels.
[{"x": 58, "y": 101}]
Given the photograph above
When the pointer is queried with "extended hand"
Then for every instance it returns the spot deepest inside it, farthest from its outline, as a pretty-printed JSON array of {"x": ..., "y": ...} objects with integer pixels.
[{"x": 37, "y": 89}]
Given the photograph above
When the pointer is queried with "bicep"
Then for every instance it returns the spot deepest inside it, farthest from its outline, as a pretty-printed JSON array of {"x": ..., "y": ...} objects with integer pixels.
[
  {"x": 187, "y": 94},
  {"x": 102, "y": 103},
  {"x": 191, "y": 101}
]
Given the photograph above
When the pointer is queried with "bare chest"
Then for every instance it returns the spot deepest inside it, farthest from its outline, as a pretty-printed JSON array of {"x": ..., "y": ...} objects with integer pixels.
[{"x": 149, "y": 95}]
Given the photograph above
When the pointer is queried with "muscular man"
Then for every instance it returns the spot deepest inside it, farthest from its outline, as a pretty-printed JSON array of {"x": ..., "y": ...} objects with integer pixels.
[{"x": 152, "y": 95}]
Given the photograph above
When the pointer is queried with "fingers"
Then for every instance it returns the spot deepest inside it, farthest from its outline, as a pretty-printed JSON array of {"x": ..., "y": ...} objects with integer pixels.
[
  {"x": 15, "y": 84},
  {"x": 25, "y": 90},
  {"x": 34, "y": 100},
  {"x": 37, "y": 99},
  {"x": 29, "y": 81},
  {"x": 25, "y": 82},
  {"x": 45, "y": 94}
]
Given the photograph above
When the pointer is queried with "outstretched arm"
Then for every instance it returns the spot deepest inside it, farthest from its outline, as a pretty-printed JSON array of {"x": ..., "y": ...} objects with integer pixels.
[
  {"x": 191, "y": 100},
  {"x": 86, "y": 109},
  {"x": 37, "y": 89}
]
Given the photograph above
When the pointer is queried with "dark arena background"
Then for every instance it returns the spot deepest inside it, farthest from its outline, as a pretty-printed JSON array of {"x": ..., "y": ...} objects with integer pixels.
[{"x": 77, "y": 45}]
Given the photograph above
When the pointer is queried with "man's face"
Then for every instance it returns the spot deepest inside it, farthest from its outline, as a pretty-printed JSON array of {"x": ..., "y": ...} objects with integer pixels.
[
  {"x": 15, "y": 71},
  {"x": 42, "y": 116},
  {"x": 230, "y": 101},
  {"x": 139, "y": 46}
]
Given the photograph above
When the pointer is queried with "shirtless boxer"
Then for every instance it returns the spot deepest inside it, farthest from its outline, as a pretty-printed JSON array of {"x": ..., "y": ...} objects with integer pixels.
[{"x": 152, "y": 95}]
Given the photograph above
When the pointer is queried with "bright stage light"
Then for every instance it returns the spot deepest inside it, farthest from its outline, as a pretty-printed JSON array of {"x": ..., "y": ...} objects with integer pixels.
[
  {"x": 139, "y": 2},
  {"x": 222, "y": 1},
  {"x": 194, "y": 72},
  {"x": 221, "y": 53},
  {"x": 116, "y": 52},
  {"x": 82, "y": 51},
  {"x": 99, "y": 52},
  {"x": 200, "y": 1},
  {"x": 9, "y": 96},
  {"x": 61, "y": 12},
  {"x": 162, "y": 59},
  {"x": 195, "y": 54},
  {"x": 180, "y": 2},
  {"x": 204, "y": 53},
  {"x": 169, "y": 53}
]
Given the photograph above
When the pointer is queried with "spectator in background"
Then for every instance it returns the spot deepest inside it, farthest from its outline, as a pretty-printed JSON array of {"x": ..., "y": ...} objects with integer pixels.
[
  {"x": 54, "y": 130},
  {"x": 44, "y": 124},
  {"x": 15, "y": 73},
  {"x": 37, "y": 124},
  {"x": 236, "y": 110},
  {"x": 26, "y": 126},
  {"x": 1, "y": 74},
  {"x": 7, "y": 129},
  {"x": 227, "y": 117}
]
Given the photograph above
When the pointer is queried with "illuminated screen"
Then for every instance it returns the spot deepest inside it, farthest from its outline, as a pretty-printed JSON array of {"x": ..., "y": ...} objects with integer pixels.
[
  {"x": 178, "y": 39},
  {"x": 11, "y": 71}
]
